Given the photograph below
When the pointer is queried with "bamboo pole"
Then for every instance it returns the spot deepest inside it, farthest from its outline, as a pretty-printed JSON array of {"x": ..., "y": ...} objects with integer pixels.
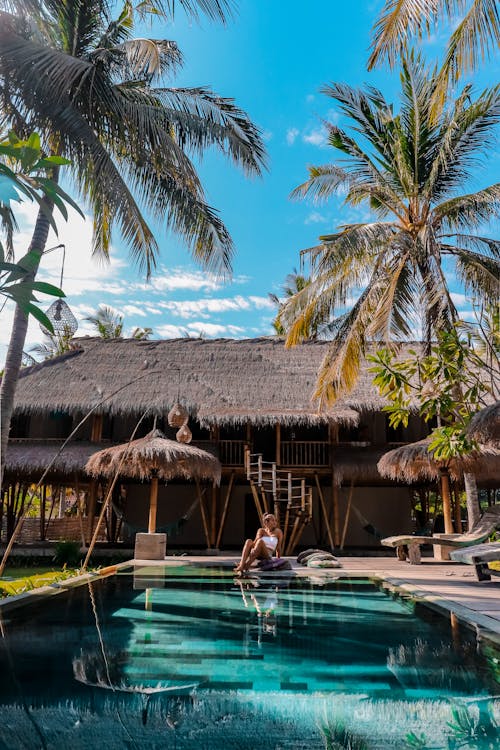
[
  {"x": 256, "y": 500},
  {"x": 457, "y": 510},
  {"x": 203, "y": 512},
  {"x": 153, "y": 505},
  {"x": 213, "y": 517},
  {"x": 278, "y": 444},
  {"x": 347, "y": 514},
  {"x": 225, "y": 509},
  {"x": 323, "y": 508}
]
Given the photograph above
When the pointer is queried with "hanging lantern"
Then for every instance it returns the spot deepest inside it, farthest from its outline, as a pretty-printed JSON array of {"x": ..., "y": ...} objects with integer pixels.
[
  {"x": 184, "y": 434},
  {"x": 177, "y": 416},
  {"x": 62, "y": 319}
]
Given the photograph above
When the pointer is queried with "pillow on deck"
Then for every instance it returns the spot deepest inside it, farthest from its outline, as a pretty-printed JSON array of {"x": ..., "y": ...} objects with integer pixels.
[
  {"x": 275, "y": 563},
  {"x": 324, "y": 563},
  {"x": 302, "y": 556}
]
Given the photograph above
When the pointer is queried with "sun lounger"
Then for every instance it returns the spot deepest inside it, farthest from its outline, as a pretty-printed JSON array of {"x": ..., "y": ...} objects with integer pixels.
[
  {"x": 479, "y": 555},
  {"x": 482, "y": 530}
]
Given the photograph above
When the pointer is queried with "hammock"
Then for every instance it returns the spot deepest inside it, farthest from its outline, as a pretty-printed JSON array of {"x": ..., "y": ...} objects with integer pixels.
[
  {"x": 367, "y": 526},
  {"x": 171, "y": 530}
]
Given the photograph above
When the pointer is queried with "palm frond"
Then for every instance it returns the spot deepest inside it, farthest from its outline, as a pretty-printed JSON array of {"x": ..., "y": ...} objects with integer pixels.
[
  {"x": 471, "y": 210},
  {"x": 323, "y": 182},
  {"x": 480, "y": 274},
  {"x": 473, "y": 41}
]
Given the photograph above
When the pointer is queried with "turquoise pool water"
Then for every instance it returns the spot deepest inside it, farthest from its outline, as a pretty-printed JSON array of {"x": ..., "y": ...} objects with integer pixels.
[{"x": 193, "y": 659}]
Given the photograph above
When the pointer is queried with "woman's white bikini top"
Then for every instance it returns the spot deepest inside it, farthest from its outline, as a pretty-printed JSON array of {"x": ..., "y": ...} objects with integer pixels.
[{"x": 271, "y": 542}]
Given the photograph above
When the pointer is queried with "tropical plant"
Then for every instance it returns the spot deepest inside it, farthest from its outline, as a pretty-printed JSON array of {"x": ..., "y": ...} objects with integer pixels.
[
  {"x": 294, "y": 283},
  {"x": 407, "y": 171},
  {"x": 448, "y": 386},
  {"x": 108, "y": 323},
  {"x": 54, "y": 344},
  {"x": 23, "y": 175},
  {"x": 101, "y": 98},
  {"x": 142, "y": 334},
  {"x": 475, "y": 37}
]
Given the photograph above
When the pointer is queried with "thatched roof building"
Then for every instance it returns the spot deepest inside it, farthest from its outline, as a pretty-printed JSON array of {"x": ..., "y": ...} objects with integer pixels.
[
  {"x": 485, "y": 426},
  {"x": 222, "y": 381}
]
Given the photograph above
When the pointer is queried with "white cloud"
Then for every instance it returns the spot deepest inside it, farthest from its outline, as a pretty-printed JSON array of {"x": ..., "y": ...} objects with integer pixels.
[
  {"x": 291, "y": 135},
  {"x": 133, "y": 310},
  {"x": 167, "y": 280},
  {"x": 460, "y": 300},
  {"x": 267, "y": 136},
  {"x": 199, "y": 327},
  {"x": 204, "y": 307},
  {"x": 316, "y": 137},
  {"x": 314, "y": 218}
]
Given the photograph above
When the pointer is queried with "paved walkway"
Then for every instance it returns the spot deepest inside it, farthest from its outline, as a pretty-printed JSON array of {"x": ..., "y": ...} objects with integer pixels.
[{"x": 451, "y": 586}]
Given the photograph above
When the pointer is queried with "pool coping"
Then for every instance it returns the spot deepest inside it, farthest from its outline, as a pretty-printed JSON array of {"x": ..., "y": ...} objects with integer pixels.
[{"x": 486, "y": 627}]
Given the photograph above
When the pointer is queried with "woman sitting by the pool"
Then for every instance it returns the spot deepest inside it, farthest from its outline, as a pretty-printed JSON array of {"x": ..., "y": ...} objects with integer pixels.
[{"x": 267, "y": 542}]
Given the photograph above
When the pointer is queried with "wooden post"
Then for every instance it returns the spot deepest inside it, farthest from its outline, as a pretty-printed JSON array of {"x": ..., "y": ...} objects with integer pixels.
[
  {"x": 96, "y": 430},
  {"x": 225, "y": 509},
  {"x": 278, "y": 444},
  {"x": 92, "y": 506},
  {"x": 213, "y": 518},
  {"x": 323, "y": 508},
  {"x": 347, "y": 514},
  {"x": 153, "y": 505},
  {"x": 445, "y": 496},
  {"x": 456, "y": 508},
  {"x": 336, "y": 511}
]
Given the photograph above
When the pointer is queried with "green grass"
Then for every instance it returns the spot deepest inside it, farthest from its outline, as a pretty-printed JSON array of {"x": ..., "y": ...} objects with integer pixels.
[{"x": 24, "y": 579}]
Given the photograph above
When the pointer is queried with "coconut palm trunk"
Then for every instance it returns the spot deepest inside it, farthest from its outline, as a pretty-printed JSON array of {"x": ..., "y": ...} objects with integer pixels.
[
  {"x": 473, "y": 510},
  {"x": 16, "y": 345}
]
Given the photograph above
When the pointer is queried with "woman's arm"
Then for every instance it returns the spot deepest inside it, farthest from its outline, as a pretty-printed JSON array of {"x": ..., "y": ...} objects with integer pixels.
[{"x": 279, "y": 534}]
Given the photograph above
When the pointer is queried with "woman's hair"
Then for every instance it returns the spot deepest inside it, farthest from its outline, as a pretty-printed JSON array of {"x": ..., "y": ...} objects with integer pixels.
[{"x": 267, "y": 516}]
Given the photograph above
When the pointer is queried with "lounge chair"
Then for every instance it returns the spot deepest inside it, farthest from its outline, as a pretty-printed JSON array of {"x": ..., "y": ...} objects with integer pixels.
[
  {"x": 479, "y": 555},
  {"x": 482, "y": 530}
]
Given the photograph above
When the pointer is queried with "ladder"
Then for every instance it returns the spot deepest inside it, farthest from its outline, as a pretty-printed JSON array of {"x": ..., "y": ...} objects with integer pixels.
[{"x": 278, "y": 491}]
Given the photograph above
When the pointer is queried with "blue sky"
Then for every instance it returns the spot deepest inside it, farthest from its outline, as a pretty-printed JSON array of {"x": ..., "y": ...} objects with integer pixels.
[{"x": 272, "y": 58}]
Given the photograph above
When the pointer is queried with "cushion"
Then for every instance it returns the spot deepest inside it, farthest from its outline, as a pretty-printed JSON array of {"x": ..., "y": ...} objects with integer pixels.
[
  {"x": 275, "y": 563},
  {"x": 332, "y": 563},
  {"x": 302, "y": 555}
]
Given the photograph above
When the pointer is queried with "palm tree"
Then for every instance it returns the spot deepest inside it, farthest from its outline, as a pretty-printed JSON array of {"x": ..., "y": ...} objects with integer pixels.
[
  {"x": 101, "y": 98},
  {"x": 294, "y": 283},
  {"x": 406, "y": 170},
  {"x": 107, "y": 322},
  {"x": 474, "y": 39},
  {"x": 54, "y": 345}
]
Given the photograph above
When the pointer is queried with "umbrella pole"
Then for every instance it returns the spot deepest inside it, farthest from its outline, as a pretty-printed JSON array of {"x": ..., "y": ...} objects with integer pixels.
[{"x": 153, "y": 505}]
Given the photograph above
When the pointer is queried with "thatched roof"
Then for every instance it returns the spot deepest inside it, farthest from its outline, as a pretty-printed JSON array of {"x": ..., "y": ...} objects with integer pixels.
[
  {"x": 485, "y": 426},
  {"x": 222, "y": 381},
  {"x": 413, "y": 462},
  {"x": 28, "y": 456},
  {"x": 155, "y": 455}
]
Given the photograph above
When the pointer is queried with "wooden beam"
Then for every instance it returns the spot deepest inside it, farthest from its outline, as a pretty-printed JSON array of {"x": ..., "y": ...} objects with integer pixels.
[
  {"x": 96, "y": 429},
  {"x": 225, "y": 509},
  {"x": 153, "y": 505},
  {"x": 445, "y": 496},
  {"x": 323, "y": 508},
  {"x": 278, "y": 444},
  {"x": 256, "y": 500},
  {"x": 213, "y": 516},
  {"x": 347, "y": 514}
]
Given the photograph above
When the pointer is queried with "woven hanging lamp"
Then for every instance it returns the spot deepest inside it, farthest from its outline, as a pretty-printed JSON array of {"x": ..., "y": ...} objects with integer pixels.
[
  {"x": 63, "y": 321},
  {"x": 178, "y": 415},
  {"x": 184, "y": 434}
]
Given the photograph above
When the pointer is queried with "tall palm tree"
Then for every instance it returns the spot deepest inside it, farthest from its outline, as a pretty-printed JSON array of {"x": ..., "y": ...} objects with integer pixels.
[
  {"x": 75, "y": 74},
  {"x": 475, "y": 37},
  {"x": 107, "y": 322},
  {"x": 407, "y": 170}
]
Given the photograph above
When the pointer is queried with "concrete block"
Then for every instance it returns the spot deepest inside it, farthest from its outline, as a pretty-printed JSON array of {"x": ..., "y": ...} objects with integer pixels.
[{"x": 150, "y": 546}]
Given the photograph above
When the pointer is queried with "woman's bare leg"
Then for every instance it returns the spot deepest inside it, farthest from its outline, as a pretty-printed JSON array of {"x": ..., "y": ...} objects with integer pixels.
[
  {"x": 244, "y": 555},
  {"x": 258, "y": 550}
]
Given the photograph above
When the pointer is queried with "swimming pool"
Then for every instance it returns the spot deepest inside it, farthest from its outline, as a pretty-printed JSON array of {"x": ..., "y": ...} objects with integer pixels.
[{"x": 191, "y": 658}]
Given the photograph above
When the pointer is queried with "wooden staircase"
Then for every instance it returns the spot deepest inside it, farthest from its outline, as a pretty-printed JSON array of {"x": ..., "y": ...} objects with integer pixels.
[{"x": 278, "y": 491}]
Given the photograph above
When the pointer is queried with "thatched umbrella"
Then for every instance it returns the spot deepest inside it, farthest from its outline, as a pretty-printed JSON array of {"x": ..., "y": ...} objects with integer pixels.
[
  {"x": 414, "y": 462},
  {"x": 155, "y": 457},
  {"x": 484, "y": 426}
]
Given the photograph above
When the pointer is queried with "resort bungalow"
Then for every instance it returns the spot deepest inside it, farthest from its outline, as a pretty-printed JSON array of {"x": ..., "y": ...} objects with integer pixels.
[{"x": 248, "y": 401}]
